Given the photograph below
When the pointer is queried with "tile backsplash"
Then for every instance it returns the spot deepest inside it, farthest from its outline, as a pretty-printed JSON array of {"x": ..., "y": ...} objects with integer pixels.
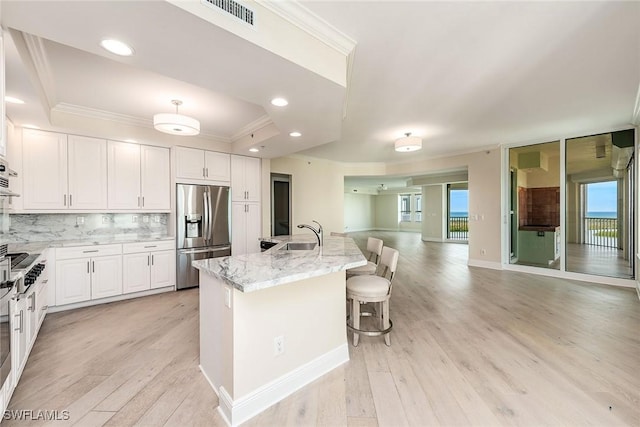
[
  {"x": 54, "y": 227},
  {"x": 539, "y": 206}
]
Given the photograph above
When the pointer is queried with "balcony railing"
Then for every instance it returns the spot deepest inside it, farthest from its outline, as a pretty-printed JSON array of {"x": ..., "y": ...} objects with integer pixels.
[
  {"x": 458, "y": 228},
  {"x": 601, "y": 232}
]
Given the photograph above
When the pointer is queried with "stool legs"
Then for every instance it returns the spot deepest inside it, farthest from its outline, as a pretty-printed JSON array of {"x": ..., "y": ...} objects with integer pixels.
[
  {"x": 355, "y": 318},
  {"x": 385, "y": 321}
]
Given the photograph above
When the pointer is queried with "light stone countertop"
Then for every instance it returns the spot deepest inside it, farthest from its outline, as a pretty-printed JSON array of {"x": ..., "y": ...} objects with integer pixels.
[
  {"x": 37, "y": 247},
  {"x": 252, "y": 272}
]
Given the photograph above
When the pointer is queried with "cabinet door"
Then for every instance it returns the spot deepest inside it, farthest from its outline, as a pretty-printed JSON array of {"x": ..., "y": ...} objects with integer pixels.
[
  {"x": 124, "y": 175},
  {"x": 73, "y": 281},
  {"x": 18, "y": 337},
  {"x": 135, "y": 272},
  {"x": 31, "y": 315},
  {"x": 163, "y": 269},
  {"x": 253, "y": 179},
  {"x": 238, "y": 185},
  {"x": 3, "y": 133},
  {"x": 189, "y": 163},
  {"x": 106, "y": 276},
  {"x": 253, "y": 227},
  {"x": 44, "y": 170},
  {"x": 238, "y": 228},
  {"x": 42, "y": 298},
  {"x": 156, "y": 178},
  {"x": 87, "y": 173},
  {"x": 217, "y": 166}
]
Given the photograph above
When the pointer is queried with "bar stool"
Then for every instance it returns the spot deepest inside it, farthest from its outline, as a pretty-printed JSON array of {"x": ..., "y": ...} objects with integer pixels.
[
  {"x": 373, "y": 289},
  {"x": 374, "y": 247}
]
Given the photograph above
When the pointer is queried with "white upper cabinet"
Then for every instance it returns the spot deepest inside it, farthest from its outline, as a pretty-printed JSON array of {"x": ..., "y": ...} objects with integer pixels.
[
  {"x": 87, "y": 173},
  {"x": 139, "y": 177},
  {"x": 64, "y": 173},
  {"x": 124, "y": 176},
  {"x": 155, "y": 178},
  {"x": 245, "y": 179},
  {"x": 44, "y": 170},
  {"x": 3, "y": 127},
  {"x": 202, "y": 165}
]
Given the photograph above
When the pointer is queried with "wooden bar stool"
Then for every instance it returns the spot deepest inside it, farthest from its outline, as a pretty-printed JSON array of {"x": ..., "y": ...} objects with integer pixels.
[
  {"x": 373, "y": 289},
  {"x": 374, "y": 247}
]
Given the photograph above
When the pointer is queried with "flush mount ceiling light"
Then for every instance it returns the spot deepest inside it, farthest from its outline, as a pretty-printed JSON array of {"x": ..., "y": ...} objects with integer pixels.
[
  {"x": 176, "y": 124},
  {"x": 408, "y": 143},
  {"x": 254, "y": 150},
  {"x": 117, "y": 47},
  {"x": 13, "y": 100},
  {"x": 279, "y": 102},
  {"x": 295, "y": 134}
]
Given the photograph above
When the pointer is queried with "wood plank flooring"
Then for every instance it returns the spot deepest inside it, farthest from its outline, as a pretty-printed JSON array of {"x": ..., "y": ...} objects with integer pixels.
[{"x": 469, "y": 347}]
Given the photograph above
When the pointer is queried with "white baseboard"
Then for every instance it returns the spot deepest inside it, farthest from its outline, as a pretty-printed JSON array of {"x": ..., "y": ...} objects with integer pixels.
[
  {"x": 484, "y": 264},
  {"x": 56, "y": 308},
  {"x": 236, "y": 412},
  {"x": 433, "y": 239}
]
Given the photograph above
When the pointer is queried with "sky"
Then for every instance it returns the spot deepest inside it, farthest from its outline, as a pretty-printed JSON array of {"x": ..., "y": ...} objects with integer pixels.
[
  {"x": 459, "y": 200},
  {"x": 601, "y": 197}
]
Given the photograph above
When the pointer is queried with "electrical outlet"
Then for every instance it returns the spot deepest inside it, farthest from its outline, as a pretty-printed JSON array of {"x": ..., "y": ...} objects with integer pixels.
[
  {"x": 483, "y": 252},
  {"x": 79, "y": 220},
  {"x": 145, "y": 219},
  {"x": 134, "y": 218},
  {"x": 278, "y": 345},
  {"x": 156, "y": 218}
]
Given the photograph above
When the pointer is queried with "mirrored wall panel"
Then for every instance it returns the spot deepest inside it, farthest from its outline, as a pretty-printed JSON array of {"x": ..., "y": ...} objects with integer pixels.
[
  {"x": 534, "y": 181},
  {"x": 599, "y": 206}
]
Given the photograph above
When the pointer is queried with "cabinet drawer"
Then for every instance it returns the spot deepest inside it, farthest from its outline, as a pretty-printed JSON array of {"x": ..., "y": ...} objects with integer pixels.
[
  {"x": 152, "y": 246},
  {"x": 88, "y": 251}
]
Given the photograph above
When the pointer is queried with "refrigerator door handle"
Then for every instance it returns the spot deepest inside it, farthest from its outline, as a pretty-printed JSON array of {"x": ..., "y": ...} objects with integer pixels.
[
  {"x": 210, "y": 218},
  {"x": 205, "y": 218},
  {"x": 199, "y": 251}
]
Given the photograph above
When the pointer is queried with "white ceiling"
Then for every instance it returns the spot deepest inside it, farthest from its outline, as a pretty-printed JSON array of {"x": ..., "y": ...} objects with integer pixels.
[{"x": 462, "y": 75}]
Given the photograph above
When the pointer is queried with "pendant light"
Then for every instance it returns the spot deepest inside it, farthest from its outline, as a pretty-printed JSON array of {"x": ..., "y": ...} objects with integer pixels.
[
  {"x": 176, "y": 124},
  {"x": 408, "y": 143}
]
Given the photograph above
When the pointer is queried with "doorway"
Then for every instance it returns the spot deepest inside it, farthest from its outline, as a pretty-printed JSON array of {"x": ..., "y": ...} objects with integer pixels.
[
  {"x": 458, "y": 211},
  {"x": 280, "y": 204}
]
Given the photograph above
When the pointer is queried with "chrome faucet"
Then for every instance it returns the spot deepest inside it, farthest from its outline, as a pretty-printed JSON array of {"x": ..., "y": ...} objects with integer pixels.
[{"x": 318, "y": 232}]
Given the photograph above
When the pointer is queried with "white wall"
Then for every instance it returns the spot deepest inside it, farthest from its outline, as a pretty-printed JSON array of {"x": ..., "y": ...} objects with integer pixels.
[
  {"x": 317, "y": 191},
  {"x": 359, "y": 212},
  {"x": 387, "y": 212},
  {"x": 433, "y": 212}
]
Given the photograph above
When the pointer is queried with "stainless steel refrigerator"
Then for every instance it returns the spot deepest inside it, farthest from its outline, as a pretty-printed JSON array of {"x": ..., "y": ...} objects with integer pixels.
[{"x": 202, "y": 228}]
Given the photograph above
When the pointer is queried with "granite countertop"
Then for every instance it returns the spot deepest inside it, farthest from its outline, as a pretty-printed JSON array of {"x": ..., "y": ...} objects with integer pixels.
[
  {"x": 539, "y": 228},
  {"x": 252, "y": 272},
  {"x": 36, "y": 247}
]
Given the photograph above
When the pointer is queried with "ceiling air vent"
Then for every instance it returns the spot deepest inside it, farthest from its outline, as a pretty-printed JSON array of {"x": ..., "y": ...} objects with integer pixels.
[{"x": 232, "y": 7}]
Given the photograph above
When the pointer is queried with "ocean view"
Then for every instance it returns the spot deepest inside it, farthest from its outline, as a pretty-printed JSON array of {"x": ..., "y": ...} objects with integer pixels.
[
  {"x": 459, "y": 214},
  {"x": 601, "y": 214}
]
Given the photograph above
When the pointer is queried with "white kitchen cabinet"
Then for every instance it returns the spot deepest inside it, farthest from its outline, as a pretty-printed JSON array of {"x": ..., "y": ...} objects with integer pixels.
[
  {"x": 44, "y": 170},
  {"x": 245, "y": 179},
  {"x": 202, "y": 165},
  {"x": 139, "y": 177},
  {"x": 245, "y": 228},
  {"x": 3, "y": 127},
  {"x": 19, "y": 337},
  {"x": 148, "y": 265},
  {"x": 88, "y": 272},
  {"x": 63, "y": 172},
  {"x": 155, "y": 178},
  {"x": 87, "y": 173}
]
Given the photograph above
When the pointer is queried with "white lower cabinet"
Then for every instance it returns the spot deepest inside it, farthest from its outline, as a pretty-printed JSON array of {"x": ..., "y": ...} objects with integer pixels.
[
  {"x": 88, "y": 272},
  {"x": 148, "y": 266},
  {"x": 245, "y": 228}
]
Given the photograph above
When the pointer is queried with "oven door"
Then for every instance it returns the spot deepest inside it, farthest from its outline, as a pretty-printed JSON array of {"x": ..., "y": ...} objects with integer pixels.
[{"x": 7, "y": 291}]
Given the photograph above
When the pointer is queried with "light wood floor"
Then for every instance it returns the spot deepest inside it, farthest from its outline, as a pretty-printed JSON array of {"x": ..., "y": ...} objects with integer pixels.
[
  {"x": 469, "y": 347},
  {"x": 598, "y": 260}
]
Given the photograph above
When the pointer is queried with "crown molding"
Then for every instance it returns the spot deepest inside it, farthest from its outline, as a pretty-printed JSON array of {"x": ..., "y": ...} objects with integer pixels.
[
  {"x": 298, "y": 15},
  {"x": 635, "y": 117},
  {"x": 41, "y": 66},
  {"x": 94, "y": 113},
  {"x": 252, "y": 127}
]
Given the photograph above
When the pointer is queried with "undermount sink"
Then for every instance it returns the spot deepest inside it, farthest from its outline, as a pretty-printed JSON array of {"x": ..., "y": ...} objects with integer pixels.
[{"x": 299, "y": 246}]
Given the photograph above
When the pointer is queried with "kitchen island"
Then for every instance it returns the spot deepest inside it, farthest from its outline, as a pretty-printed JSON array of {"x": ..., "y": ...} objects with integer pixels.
[{"x": 273, "y": 322}]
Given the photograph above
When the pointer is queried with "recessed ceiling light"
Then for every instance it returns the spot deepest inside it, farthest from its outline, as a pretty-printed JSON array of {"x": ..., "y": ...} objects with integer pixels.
[
  {"x": 295, "y": 134},
  {"x": 117, "y": 47},
  {"x": 254, "y": 150},
  {"x": 130, "y": 140},
  {"x": 13, "y": 100},
  {"x": 30, "y": 126},
  {"x": 279, "y": 102}
]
